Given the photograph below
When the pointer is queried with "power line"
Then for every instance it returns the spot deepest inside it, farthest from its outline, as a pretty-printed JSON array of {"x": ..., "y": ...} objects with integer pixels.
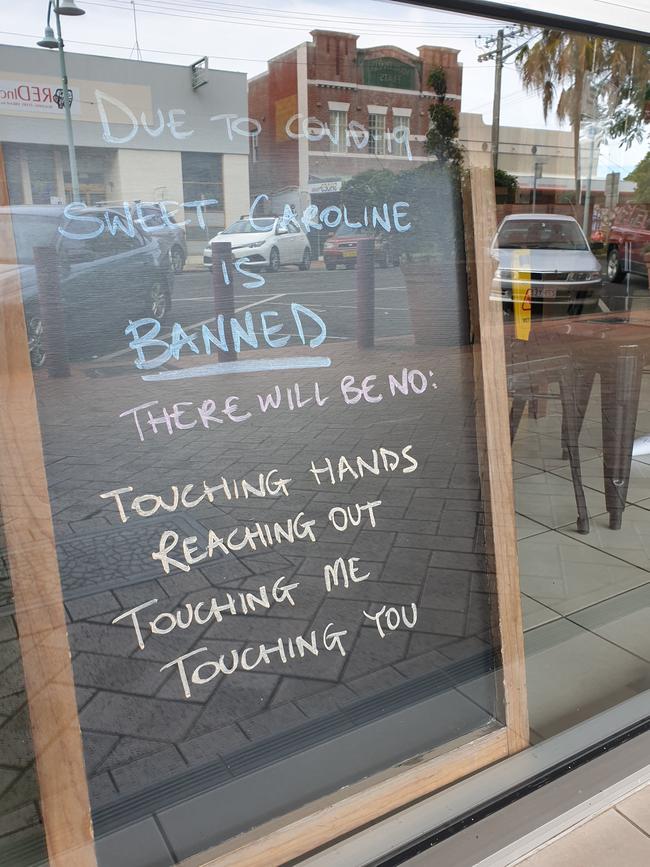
[
  {"x": 252, "y": 20},
  {"x": 218, "y": 7},
  {"x": 622, "y": 6},
  {"x": 193, "y": 54},
  {"x": 313, "y": 16},
  {"x": 145, "y": 50}
]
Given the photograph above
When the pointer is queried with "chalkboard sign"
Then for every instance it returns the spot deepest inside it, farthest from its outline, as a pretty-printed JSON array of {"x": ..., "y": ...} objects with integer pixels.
[{"x": 268, "y": 503}]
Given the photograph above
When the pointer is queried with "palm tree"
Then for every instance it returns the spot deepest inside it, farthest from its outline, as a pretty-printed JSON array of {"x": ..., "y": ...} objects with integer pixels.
[
  {"x": 562, "y": 66},
  {"x": 557, "y": 64}
]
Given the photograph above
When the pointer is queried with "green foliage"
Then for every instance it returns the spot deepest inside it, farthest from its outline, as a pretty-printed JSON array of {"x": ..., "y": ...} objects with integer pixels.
[
  {"x": 442, "y": 137},
  {"x": 432, "y": 191},
  {"x": 373, "y": 187},
  {"x": 641, "y": 177},
  {"x": 629, "y": 119},
  {"x": 438, "y": 82},
  {"x": 561, "y": 66},
  {"x": 505, "y": 181}
]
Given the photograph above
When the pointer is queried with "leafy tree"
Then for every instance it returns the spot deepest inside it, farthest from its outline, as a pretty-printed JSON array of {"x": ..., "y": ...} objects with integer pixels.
[
  {"x": 505, "y": 181},
  {"x": 430, "y": 189},
  {"x": 442, "y": 137},
  {"x": 641, "y": 177},
  {"x": 626, "y": 85},
  {"x": 366, "y": 189}
]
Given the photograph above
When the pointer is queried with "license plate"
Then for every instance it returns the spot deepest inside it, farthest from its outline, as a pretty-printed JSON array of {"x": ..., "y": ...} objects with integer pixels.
[
  {"x": 544, "y": 291},
  {"x": 349, "y": 253}
]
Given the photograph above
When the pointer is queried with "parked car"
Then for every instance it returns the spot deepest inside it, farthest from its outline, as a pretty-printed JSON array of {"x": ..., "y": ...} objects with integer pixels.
[
  {"x": 565, "y": 276},
  {"x": 104, "y": 281},
  {"x": 266, "y": 242},
  {"x": 628, "y": 241},
  {"x": 171, "y": 238},
  {"x": 341, "y": 248}
]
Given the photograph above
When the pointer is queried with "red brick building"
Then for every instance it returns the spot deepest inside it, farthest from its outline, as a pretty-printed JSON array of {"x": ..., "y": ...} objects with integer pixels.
[{"x": 330, "y": 110}]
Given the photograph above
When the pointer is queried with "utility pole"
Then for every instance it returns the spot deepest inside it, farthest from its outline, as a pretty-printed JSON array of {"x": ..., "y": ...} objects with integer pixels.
[
  {"x": 589, "y": 110},
  {"x": 499, "y": 57},
  {"x": 537, "y": 173},
  {"x": 592, "y": 147},
  {"x": 496, "y": 104}
]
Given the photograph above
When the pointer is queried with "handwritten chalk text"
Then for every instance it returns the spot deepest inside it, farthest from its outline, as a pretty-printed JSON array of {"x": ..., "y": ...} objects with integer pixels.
[
  {"x": 346, "y": 569},
  {"x": 228, "y": 336},
  {"x": 265, "y": 535},
  {"x": 151, "y": 418},
  {"x": 267, "y": 484},
  {"x": 391, "y": 619},
  {"x": 172, "y": 119},
  {"x": 344, "y": 469},
  {"x": 248, "y": 659},
  {"x": 314, "y": 130},
  {"x": 385, "y": 216},
  {"x": 115, "y": 221},
  {"x": 240, "y": 603}
]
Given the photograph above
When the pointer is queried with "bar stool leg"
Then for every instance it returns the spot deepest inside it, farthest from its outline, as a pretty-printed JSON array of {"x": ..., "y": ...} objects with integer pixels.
[
  {"x": 584, "y": 383},
  {"x": 570, "y": 428},
  {"x": 620, "y": 389},
  {"x": 516, "y": 414}
]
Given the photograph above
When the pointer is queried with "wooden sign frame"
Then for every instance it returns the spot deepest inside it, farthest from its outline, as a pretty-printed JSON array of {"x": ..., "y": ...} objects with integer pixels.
[
  {"x": 39, "y": 612},
  {"x": 49, "y": 679}
]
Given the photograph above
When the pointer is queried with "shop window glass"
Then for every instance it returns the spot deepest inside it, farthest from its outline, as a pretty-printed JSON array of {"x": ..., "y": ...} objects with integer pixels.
[
  {"x": 339, "y": 130},
  {"x": 401, "y": 133},
  {"x": 324, "y": 480},
  {"x": 377, "y": 133}
]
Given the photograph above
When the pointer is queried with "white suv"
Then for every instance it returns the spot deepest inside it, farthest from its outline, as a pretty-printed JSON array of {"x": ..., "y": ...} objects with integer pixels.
[{"x": 266, "y": 242}]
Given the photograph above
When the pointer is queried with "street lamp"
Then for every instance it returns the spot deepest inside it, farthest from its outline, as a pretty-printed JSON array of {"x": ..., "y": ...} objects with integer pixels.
[{"x": 49, "y": 40}]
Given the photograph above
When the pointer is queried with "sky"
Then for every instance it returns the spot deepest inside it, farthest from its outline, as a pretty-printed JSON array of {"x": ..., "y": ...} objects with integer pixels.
[{"x": 241, "y": 34}]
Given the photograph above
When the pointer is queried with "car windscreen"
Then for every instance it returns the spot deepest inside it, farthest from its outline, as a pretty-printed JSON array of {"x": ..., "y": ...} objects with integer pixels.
[
  {"x": 248, "y": 227},
  {"x": 29, "y": 231},
  {"x": 541, "y": 235}
]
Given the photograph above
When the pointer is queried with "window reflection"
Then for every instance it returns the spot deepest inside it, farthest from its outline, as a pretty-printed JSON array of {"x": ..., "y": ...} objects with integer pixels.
[{"x": 259, "y": 343}]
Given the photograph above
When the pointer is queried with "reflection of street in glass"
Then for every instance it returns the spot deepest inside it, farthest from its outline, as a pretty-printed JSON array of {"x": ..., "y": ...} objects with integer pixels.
[{"x": 257, "y": 530}]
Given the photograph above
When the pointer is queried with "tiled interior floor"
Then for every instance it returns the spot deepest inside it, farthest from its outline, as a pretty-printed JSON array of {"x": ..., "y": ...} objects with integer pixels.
[
  {"x": 585, "y": 598},
  {"x": 619, "y": 836}
]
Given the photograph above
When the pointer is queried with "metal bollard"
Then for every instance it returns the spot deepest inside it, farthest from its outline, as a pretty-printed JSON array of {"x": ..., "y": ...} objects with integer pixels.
[
  {"x": 52, "y": 312},
  {"x": 223, "y": 287},
  {"x": 366, "y": 293}
]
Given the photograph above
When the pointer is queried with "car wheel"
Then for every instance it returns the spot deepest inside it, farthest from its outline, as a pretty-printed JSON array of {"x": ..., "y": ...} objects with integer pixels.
[
  {"x": 331, "y": 266},
  {"x": 36, "y": 341},
  {"x": 176, "y": 259},
  {"x": 614, "y": 271},
  {"x": 274, "y": 260},
  {"x": 160, "y": 300},
  {"x": 306, "y": 260}
]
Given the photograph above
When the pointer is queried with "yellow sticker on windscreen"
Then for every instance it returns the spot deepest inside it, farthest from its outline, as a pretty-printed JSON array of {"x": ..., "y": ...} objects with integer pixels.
[{"x": 521, "y": 294}]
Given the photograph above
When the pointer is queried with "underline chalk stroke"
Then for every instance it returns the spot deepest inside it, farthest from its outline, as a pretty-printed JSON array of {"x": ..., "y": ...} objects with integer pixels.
[{"x": 295, "y": 362}]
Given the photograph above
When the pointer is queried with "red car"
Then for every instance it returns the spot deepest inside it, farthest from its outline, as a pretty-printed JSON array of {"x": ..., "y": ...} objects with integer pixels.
[
  {"x": 341, "y": 248},
  {"x": 629, "y": 239}
]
